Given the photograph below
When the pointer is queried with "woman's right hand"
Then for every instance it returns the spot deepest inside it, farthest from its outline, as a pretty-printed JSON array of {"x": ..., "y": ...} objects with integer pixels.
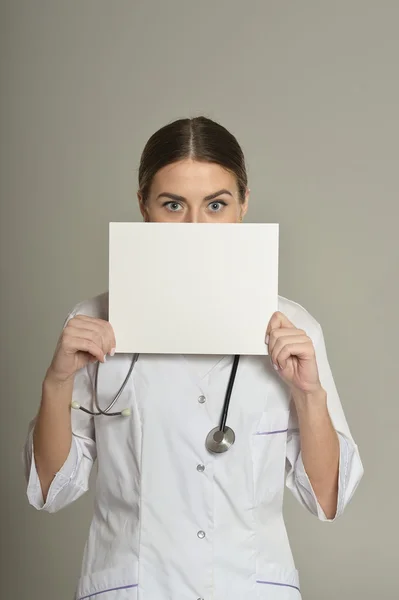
[{"x": 82, "y": 341}]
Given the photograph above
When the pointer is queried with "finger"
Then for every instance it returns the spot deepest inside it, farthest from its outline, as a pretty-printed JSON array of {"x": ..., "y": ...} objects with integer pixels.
[
  {"x": 113, "y": 339},
  {"x": 278, "y": 320},
  {"x": 277, "y": 334},
  {"x": 87, "y": 318},
  {"x": 74, "y": 345},
  {"x": 303, "y": 350},
  {"x": 88, "y": 334},
  {"x": 100, "y": 325},
  {"x": 283, "y": 341},
  {"x": 87, "y": 322}
]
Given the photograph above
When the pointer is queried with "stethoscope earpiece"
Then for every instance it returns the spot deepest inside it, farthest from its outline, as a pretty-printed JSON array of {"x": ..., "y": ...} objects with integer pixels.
[
  {"x": 126, "y": 412},
  {"x": 218, "y": 440}
]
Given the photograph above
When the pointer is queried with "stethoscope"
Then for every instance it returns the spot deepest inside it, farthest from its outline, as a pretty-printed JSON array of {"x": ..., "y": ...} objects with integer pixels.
[{"x": 218, "y": 440}]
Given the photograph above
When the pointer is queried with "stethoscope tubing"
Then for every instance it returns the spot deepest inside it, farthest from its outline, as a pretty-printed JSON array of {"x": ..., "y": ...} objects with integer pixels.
[
  {"x": 218, "y": 440},
  {"x": 229, "y": 390},
  {"x": 114, "y": 401}
]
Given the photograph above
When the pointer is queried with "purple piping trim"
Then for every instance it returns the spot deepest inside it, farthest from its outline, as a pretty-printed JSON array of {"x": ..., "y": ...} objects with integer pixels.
[
  {"x": 271, "y": 432},
  {"x": 123, "y": 587},
  {"x": 279, "y": 584}
]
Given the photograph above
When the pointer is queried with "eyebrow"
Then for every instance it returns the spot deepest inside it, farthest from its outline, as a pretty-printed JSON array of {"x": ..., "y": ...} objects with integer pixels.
[{"x": 177, "y": 198}]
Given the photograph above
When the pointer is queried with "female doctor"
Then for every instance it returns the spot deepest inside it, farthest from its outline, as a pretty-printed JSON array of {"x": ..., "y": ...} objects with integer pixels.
[{"x": 172, "y": 520}]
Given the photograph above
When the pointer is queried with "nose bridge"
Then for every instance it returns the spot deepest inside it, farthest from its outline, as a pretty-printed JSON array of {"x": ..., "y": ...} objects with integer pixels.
[{"x": 194, "y": 215}]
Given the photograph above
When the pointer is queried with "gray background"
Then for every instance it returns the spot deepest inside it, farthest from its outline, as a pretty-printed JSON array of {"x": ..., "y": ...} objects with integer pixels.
[{"x": 311, "y": 90}]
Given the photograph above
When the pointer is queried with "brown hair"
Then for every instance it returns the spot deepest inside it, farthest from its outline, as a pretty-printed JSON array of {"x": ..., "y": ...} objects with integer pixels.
[{"x": 200, "y": 139}]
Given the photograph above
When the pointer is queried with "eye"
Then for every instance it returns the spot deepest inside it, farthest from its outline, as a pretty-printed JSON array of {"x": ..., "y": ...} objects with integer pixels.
[
  {"x": 173, "y": 206},
  {"x": 217, "y": 205}
]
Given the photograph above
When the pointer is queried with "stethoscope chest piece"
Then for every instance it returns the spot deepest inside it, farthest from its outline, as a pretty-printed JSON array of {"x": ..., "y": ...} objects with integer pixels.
[{"x": 219, "y": 440}]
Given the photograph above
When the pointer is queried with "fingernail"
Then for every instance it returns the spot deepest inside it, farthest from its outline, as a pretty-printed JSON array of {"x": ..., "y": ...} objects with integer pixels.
[
  {"x": 105, "y": 358},
  {"x": 113, "y": 350},
  {"x": 267, "y": 339},
  {"x": 275, "y": 367}
]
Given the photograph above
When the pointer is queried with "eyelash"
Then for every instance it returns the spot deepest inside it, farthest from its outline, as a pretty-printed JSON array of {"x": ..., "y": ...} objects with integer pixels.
[
  {"x": 167, "y": 204},
  {"x": 218, "y": 202}
]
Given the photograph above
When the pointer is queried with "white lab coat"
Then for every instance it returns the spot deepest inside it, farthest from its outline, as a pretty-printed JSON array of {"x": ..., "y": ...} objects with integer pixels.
[{"x": 172, "y": 521}]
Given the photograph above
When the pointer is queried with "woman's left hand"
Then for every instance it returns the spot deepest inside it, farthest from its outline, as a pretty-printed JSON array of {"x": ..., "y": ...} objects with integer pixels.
[{"x": 293, "y": 354}]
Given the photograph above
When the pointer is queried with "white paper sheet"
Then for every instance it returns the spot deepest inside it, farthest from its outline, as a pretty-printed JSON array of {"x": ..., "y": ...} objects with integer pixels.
[{"x": 185, "y": 288}]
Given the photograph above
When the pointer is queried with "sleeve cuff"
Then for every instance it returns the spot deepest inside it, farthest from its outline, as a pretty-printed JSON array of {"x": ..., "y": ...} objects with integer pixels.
[
  {"x": 61, "y": 479},
  {"x": 304, "y": 484}
]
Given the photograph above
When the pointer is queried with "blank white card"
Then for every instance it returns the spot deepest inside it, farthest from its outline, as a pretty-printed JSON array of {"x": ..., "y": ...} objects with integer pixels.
[{"x": 192, "y": 288}]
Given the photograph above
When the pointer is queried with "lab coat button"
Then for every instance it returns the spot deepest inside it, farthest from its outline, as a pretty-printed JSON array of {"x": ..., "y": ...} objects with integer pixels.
[
  {"x": 201, "y": 534},
  {"x": 201, "y": 399},
  {"x": 200, "y": 468}
]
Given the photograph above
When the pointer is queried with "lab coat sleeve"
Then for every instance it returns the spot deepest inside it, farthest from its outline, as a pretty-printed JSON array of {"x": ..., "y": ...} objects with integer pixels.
[
  {"x": 350, "y": 465},
  {"x": 72, "y": 480}
]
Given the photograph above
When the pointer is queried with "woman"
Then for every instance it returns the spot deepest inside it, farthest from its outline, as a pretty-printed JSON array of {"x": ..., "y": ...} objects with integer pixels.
[{"x": 171, "y": 520}]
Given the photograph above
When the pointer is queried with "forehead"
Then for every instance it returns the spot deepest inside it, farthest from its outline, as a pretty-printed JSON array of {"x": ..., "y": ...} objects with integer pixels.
[{"x": 187, "y": 176}]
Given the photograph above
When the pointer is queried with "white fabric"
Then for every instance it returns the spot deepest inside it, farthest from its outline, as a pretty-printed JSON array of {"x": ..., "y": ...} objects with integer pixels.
[{"x": 151, "y": 501}]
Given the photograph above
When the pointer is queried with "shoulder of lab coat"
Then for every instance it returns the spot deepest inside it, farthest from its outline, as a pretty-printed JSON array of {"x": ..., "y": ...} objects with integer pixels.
[
  {"x": 72, "y": 480},
  {"x": 350, "y": 465}
]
